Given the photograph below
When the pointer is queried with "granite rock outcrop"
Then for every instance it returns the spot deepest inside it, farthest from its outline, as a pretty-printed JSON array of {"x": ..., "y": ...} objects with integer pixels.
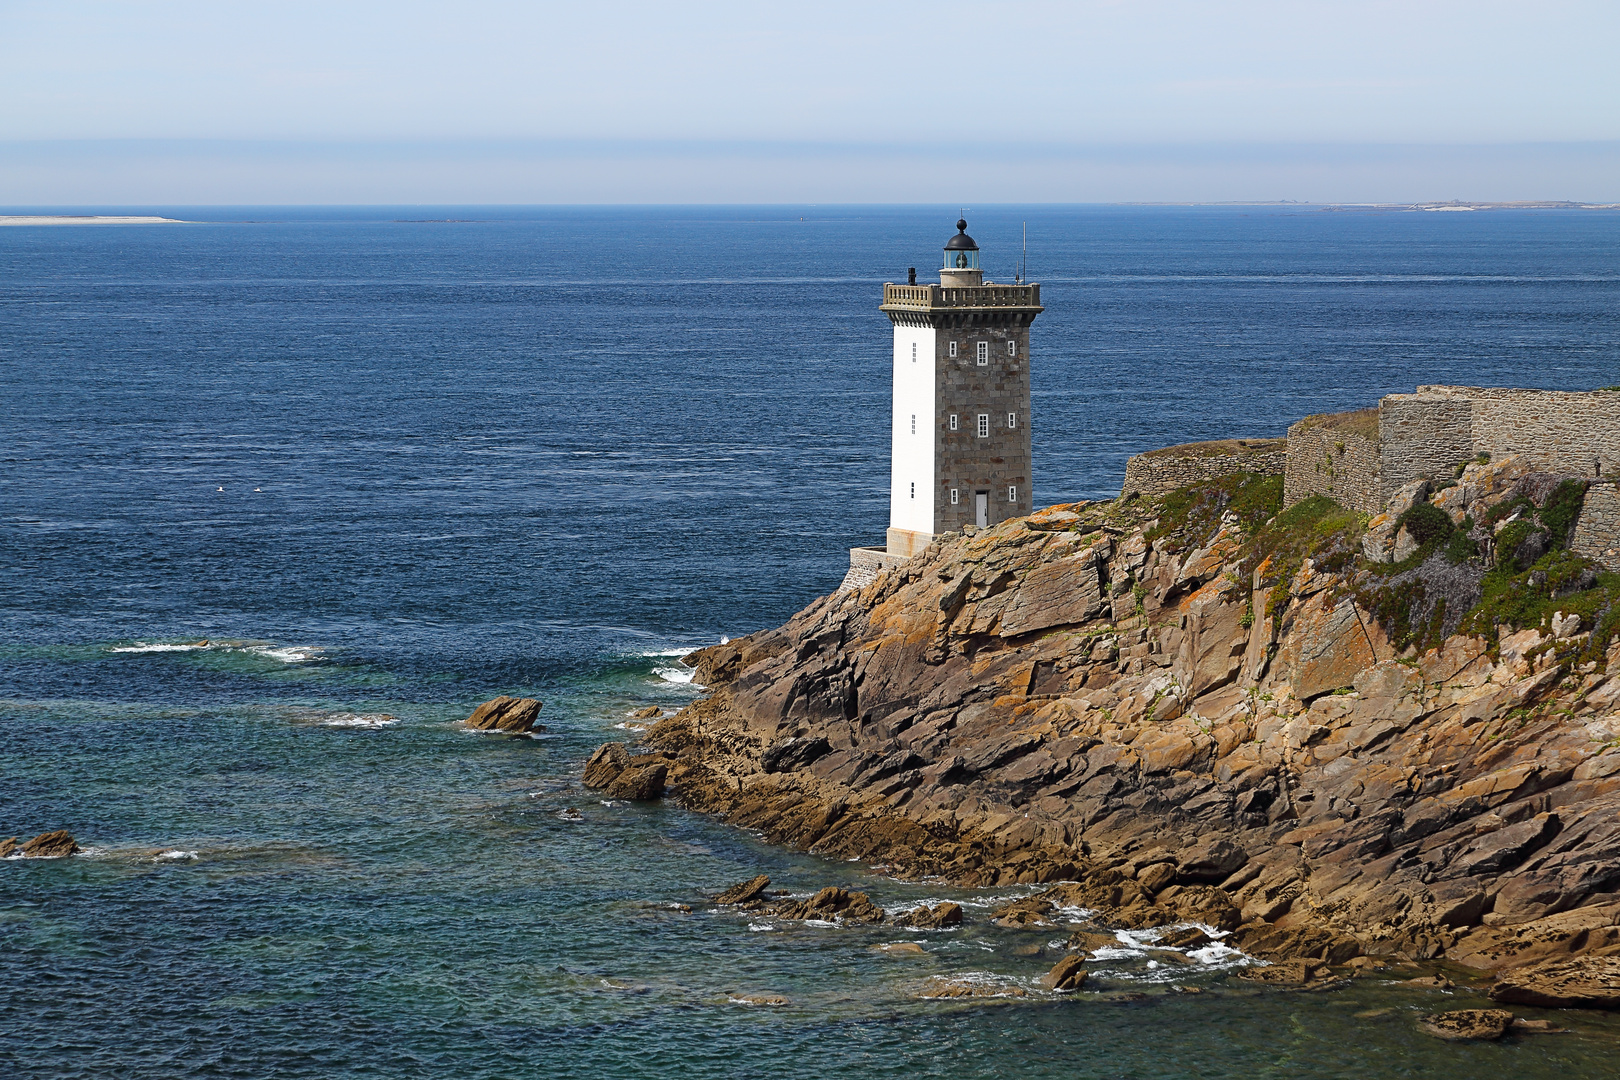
[
  {"x": 1199, "y": 708},
  {"x": 506, "y": 713}
]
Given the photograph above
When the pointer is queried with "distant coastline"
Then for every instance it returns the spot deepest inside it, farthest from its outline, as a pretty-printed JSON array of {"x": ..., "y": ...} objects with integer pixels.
[
  {"x": 83, "y": 219},
  {"x": 1454, "y": 204}
]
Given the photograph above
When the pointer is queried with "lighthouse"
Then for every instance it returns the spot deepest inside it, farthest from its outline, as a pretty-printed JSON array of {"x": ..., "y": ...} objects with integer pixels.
[{"x": 960, "y": 450}]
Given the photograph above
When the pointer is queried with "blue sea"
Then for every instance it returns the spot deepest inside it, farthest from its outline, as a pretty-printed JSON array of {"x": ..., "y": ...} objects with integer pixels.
[{"x": 388, "y": 463}]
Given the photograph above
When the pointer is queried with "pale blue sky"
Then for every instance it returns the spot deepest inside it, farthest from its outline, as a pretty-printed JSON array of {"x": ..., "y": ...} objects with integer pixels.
[{"x": 490, "y": 101}]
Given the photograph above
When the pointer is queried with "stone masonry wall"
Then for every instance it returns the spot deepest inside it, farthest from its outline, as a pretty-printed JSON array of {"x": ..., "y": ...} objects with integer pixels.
[
  {"x": 1325, "y": 460},
  {"x": 1159, "y": 471},
  {"x": 1578, "y": 432},
  {"x": 1597, "y": 533},
  {"x": 864, "y": 565},
  {"x": 1422, "y": 435},
  {"x": 966, "y": 462}
]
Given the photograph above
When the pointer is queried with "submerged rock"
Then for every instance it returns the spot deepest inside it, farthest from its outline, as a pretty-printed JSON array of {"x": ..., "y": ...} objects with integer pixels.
[
  {"x": 1585, "y": 982},
  {"x": 1460, "y": 1024},
  {"x": 964, "y": 988},
  {"x": 51, "y": 845},
  {"x": 1287, "y": 973},
  {"x": 506, "y": 713}
]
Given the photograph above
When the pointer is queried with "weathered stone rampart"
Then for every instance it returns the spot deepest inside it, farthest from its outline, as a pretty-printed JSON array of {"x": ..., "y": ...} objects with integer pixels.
[
  {"x": 1336, "y": 455},
  {"x": 1597, "y": 532},
  {"x": 1421, "y": 436},
  {"x": 1160, "y": 471},
  {"x": 1360, "y": 459},
  {"x": 1577, "y": 432}
]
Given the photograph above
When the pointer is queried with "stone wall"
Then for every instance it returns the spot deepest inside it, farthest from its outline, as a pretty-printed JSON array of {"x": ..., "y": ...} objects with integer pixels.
[
  {"x": 1577, "y": 432},
  {"x": 1360, "y": 462},
  {"x": 1159, "y": 471},
  {"x": 864, "y": 565},
  {"x": 998, "y": 389},
  {"x": 1422, "y": 435},
  {"x": 1597, "y": 533},
  {"x": 1336, "y": 455}
]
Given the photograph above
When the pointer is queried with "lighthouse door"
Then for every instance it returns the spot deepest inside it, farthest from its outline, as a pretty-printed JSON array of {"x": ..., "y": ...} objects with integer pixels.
[{"x": 981, "y": 508}]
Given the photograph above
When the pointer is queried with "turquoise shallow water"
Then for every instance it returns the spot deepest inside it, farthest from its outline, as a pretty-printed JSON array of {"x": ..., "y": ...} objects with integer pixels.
[
  {"x": 342, "y": 883},
  {"x": 544, "y": 454}
]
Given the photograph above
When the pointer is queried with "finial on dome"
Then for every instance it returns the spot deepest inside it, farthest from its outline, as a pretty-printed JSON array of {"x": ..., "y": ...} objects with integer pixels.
[{"x": 961, "y": 224}]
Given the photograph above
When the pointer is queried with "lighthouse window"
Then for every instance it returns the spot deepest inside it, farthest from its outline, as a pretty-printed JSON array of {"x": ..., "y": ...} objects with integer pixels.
[
  {"x": 984, "y": 353},
  {"x": 984, "y": 425},
  {"x": 914, "y": 489},
  {"x": 913, "y": 352},
  {"x": 956, "y": 496},
  {"x": 1012, "y": 348},
  {"x": 1012, "y": 420},
  {"x": 953, "y": 348},
  {"x": 914, "y": 423},
  {"x": 1012, "y": 493},
  {"x": 953, "y": 421}
]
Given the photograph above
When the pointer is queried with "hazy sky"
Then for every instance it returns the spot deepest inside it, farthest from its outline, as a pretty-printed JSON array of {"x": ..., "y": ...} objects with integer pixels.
[{"x": 485, "y": 100}]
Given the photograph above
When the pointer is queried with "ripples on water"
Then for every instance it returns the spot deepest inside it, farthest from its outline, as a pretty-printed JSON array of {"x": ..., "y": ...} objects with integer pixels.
[{"x": 545, "y": 453}]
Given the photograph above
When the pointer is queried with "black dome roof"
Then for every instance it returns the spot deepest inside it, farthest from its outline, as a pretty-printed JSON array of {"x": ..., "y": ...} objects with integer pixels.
[{"x": 961, "y": 241}]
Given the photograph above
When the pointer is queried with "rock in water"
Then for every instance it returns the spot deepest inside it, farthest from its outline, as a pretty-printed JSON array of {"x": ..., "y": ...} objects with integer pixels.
[
  {"x": 649, "y": 713},
  {"x": 1468, "y": 1024},
  {"x": 1586, "y": 982},
  {"x": 938, "y": 917},
  {"x": 1190, "y": 938},
  {"x": 605, "y": 764},
  {"x": 639, "y": 783},
  {"x": 745, "y": 891},
  {"x": 621, "y": 776},
  {"x": 1286, "y": 973},
  {"x": 51, "y": 845},
  {"x": 1068, "y": 973},
  {"x": 506, "y": 714},
  {"x": 7, "y": 846}
]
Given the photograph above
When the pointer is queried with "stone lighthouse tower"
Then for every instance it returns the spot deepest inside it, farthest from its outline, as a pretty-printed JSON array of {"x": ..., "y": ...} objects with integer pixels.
[{"x": 961, "y": 400}]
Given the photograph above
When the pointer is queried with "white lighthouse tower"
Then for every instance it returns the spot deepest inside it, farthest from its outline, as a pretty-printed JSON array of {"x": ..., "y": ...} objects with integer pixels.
[{"x": 960, "y": 436}]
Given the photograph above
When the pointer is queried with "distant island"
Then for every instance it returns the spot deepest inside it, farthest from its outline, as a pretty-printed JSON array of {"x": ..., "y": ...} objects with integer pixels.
[
  {"x": 1546, "y": 204},
  {"x": 84, "y": 219}
]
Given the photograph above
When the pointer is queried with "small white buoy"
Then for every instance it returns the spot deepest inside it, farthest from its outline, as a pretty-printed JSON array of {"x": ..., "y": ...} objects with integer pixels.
[
  {"x": 222, "y": 489},
  {"x": 258, "y": 489}
]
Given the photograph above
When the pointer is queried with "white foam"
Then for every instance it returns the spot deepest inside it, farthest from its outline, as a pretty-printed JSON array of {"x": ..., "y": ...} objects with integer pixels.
[
  {"x": 630, "y": 726},
  {"x": 681, "y": 676},
  {"x": 175, "y": 854},
  {"x": 1216, "y": 954},
  {"x": 289, "y": 654},
  {"x": 760, "y": 928},
  {"x": 1111, "y": 952},
  {"x": 144, "y": 647},
  {"x": 370, "y": 721},
  {"x": 667, "y": 652}
]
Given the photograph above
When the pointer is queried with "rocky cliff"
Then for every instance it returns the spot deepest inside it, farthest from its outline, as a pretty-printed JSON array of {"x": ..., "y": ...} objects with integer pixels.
[{"x": 1200, "y": 708}]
